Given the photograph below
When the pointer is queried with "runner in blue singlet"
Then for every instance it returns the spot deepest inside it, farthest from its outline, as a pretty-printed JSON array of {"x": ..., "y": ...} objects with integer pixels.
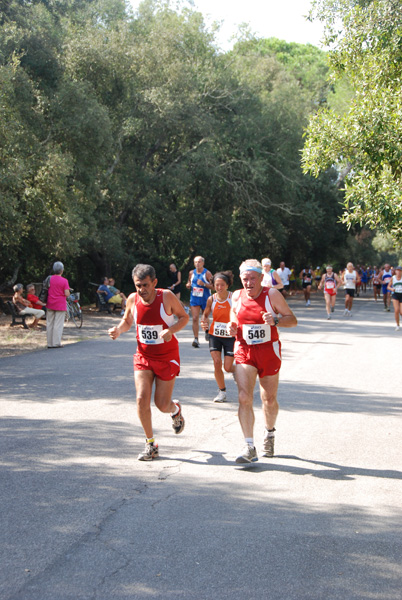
[{"x": 199, "y": 282}]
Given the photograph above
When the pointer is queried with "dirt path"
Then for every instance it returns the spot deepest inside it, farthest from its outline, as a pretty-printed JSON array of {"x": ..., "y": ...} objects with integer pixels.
[{"x": 17, "y": 340}]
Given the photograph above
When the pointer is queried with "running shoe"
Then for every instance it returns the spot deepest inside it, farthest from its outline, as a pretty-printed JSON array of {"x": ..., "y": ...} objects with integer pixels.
[
  {"x": 178, "y": 419},
  {"x": 349, "y": 313},
  {"x": 332, "y": 308},
  {"x": 221, "y": 397},
  {"x": 268, "y": 446},
  {"x": 328, "y": 317},
  {"x": 345, "y": 312},
  {"x": 195, "y": 344},
  {"x": 150, "y": 451},
  {"x": 397, "y": 328},
  {"x": 248, "y": 455}
]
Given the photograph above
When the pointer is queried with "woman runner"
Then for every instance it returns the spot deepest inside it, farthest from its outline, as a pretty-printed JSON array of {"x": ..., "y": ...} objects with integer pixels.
[
  {"x": 219, "y": 339},
  {"x": 330, "y": 281}
]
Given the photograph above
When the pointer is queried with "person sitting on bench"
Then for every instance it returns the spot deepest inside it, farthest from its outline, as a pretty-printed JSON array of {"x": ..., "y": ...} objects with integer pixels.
[
  {"x": 109, "y": 296},
  {"x": 33, "y": 299},
  {"x": 24, "y": 307}
]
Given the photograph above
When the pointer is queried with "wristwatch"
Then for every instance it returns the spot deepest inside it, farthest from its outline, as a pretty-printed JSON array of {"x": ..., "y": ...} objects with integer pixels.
[{"x": 276, "y": 321}]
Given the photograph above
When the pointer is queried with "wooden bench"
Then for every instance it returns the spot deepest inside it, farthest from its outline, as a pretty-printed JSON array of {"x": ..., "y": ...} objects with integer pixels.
[
  {"x": 17, "y": 318},
  {"x": 103, "y": 305}
]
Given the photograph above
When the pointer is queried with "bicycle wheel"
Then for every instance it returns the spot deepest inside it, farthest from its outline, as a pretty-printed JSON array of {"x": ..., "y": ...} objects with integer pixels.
[{"x": 76, "y": 313}]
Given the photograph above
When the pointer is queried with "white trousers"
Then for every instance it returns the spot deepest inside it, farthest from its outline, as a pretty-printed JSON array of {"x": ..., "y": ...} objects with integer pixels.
[
  {"x": 54, "y": 327},
  {"x": 36, "y": 312}
]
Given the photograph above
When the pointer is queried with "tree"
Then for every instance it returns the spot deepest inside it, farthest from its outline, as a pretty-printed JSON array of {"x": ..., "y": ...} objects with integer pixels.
[{"x": 365, "y": 142}]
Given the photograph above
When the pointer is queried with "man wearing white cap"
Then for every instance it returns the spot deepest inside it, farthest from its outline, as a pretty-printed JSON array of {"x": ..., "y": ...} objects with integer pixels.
[{"x": 256, "y": 313}]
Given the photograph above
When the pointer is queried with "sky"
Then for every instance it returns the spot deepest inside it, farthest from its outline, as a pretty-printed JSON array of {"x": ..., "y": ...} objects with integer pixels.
[{"x": 283, "y": 19}]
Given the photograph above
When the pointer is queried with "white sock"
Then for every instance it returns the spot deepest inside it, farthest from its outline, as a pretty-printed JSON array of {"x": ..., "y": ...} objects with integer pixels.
[
  {"x": 268, "y": 434},
  {"x": 250, "y": 441}
]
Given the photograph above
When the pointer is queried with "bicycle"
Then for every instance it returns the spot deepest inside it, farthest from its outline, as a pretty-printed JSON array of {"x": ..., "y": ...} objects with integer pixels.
[{"x": 74, "y": 311}]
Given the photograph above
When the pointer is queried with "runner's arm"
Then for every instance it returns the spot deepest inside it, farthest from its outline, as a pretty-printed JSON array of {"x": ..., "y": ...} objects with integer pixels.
[
  {"x": 204, "y": 318},
  {"x": 279, "y": 284},
  {"x": 321, "y": 282},
  {"x": 188, "y": 284},
  {"x": 280, "y": 306},
  {"x": 233, "y": 322}
]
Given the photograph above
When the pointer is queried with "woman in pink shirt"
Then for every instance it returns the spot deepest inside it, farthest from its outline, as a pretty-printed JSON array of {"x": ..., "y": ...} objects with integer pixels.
[{"x": 56, "y": 306}]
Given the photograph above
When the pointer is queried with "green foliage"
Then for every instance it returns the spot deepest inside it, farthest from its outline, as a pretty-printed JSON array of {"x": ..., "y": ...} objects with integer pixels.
[
  {"x": 365, "y": 142},
  {"x": 128, "y": 138}
]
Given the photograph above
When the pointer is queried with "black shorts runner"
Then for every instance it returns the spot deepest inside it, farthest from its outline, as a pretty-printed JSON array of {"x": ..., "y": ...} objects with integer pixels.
[
  {"x": 216, "y": 344},
  {"x": 350, "y": 292},
  {"x": 397, "y": 296}
]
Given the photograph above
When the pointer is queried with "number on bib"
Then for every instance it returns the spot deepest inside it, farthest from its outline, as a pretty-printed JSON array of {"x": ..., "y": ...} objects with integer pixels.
[
  {"x": 220, "y": 330},
  {"x": 256, "y": 334},
  {"x": 150, "y": 334},
  {"x": 198, "y": 292}
]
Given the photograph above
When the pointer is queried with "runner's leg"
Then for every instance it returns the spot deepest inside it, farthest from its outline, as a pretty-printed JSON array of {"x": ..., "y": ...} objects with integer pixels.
[
  {"x": 163, "y": 395},
  {"x": 143, "y": 386},
  {"x": 268, "y": 391},
  {"x": 219, "y": 376},
  {"x": 246, "y": 376},
  {"x": 195, "y": 314}
]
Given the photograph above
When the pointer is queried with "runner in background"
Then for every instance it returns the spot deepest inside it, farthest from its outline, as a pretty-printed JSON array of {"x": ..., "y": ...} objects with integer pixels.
[
  {"x": 199, "y": 282},
  {"x": 330, "y": 282},
  {"x": 307, "y": 279},
  {"x": 271, "y": 277},
  {"x": 385, "y": 276},
  {"x": 219, "y": 304},
  {"x": 395, "y": 286},
  {"x": 349, "y": 279},
  {"x": 317, "y": 276},
  {"x": 376, "y": 283}
]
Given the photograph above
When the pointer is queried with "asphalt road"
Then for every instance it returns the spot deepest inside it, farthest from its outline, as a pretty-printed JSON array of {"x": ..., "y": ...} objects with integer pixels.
[{"x": 81, "y": 518}]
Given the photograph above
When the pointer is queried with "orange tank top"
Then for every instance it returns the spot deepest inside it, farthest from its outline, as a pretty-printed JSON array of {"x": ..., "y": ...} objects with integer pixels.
[{"x": 220, "y": 311}]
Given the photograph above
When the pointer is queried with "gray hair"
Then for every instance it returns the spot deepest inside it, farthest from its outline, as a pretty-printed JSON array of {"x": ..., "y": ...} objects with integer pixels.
[
  {"x": 58, "y": 267},
  {"x": 142, "y": 271},
  {"x": 18, "y": 287}
]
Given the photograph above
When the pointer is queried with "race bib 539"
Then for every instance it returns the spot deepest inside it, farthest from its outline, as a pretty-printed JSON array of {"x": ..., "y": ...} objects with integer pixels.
[{"x": 150, "y": 334}]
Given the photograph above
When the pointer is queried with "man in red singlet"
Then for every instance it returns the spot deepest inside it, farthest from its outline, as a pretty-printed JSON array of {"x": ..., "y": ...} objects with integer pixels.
[
  {"x": 256, "y": 313},
  {"x": 157, "y": 358}
]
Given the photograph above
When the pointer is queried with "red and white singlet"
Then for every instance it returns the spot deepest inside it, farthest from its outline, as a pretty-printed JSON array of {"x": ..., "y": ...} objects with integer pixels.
[
  {"x": 220, "y": 311},
  {"x": 257, "y": 343},
  {"x": 151, "y": 320},
  {"x": 330, "y": 285},
  {"x": 252, "y": 330}
]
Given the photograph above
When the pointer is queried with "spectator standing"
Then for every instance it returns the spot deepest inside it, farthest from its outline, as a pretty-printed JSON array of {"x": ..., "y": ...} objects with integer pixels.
[
  {"x": 56, "y": 306},
  {"x": 175, "y": 278}
]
